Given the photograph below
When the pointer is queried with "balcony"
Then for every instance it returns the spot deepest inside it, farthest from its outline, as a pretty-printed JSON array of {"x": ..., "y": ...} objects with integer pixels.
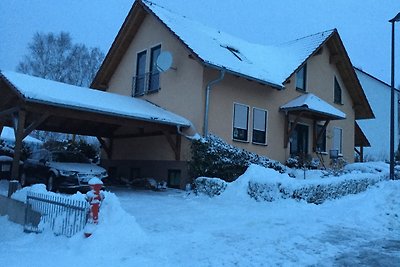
[{"x": 147, "y": 83}]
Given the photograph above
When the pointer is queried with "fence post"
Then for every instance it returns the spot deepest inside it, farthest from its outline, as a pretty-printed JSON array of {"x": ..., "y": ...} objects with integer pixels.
[
  {"x": 12, "y": 187},
  {"x": 94, "y": 197}
]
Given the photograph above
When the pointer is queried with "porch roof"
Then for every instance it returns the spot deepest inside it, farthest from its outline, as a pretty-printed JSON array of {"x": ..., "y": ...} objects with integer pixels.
[
  {"x": 313, "y": 106},
  {"x": 41, "y": 91}
]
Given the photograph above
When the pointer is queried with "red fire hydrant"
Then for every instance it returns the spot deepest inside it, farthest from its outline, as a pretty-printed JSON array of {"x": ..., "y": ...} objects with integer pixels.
[{"x": 95, "y": 196}]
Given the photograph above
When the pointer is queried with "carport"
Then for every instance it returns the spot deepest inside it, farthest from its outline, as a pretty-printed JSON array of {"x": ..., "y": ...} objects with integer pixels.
[{"x": 29, "y": 103}]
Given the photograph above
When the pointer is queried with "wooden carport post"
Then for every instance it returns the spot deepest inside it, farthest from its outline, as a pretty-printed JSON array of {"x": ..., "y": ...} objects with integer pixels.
[{"x": 19, "y": 123}]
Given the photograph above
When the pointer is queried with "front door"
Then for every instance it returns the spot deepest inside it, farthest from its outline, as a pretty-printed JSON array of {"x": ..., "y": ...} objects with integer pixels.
[{"x": 299, "y": 140}]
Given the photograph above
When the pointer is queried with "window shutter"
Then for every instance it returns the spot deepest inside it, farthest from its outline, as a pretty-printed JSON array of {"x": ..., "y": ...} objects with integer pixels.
[{"x": 241, "y": 116}]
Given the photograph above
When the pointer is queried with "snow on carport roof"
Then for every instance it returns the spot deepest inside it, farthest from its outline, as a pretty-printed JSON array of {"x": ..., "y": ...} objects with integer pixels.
[
  {"x": 49, "y": 92},
  {"x": 311, "y": 102},
  {"x": 8, "y": 135},
  {"x": 271, "y": 64}
]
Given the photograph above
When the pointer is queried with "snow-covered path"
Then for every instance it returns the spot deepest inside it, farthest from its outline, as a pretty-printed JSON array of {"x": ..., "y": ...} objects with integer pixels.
[{"x": 185, "y": 230}]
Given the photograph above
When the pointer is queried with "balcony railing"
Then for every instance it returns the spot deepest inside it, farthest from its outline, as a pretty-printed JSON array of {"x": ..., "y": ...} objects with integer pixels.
[{"x": 146, "y": 83}]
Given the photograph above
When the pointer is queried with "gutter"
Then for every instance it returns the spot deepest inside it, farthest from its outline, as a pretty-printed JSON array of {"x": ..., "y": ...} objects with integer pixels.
[{"x": 207, "y": 107}]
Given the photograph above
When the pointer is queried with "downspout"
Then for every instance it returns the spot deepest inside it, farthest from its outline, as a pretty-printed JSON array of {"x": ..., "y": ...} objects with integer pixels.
[{"x": 208, "y": 90}]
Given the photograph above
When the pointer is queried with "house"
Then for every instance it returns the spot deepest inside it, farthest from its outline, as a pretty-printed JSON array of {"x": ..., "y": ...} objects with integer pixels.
[
  {"x": 300, "y": 97},
  {"x": 377, "y": 130}
]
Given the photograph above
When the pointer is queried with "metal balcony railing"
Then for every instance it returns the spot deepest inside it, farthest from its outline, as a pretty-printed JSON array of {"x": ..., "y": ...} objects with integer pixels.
[{"x": 146, "y": 83}]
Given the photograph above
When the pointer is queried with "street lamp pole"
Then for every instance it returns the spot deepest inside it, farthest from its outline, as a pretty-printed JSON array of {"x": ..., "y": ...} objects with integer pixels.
[{"x": 395, "y": 19}]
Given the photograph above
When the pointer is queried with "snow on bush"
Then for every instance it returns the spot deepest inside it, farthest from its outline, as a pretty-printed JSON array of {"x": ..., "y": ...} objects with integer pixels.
[
  {"x": 213, "y": 157},
  {"x": 209, "y": 186},
  {"x": 263, "y": 184}
]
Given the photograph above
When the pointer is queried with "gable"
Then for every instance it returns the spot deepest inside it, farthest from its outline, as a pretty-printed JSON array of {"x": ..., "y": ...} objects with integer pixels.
[{"x": 271, "y": 65}]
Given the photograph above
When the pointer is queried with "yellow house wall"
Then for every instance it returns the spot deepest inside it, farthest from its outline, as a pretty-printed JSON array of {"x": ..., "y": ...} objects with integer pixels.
[
  {"x": 183, "y": 92},
  {"x": 320, "y": 81},
  {"x": 181, "y": 89}
]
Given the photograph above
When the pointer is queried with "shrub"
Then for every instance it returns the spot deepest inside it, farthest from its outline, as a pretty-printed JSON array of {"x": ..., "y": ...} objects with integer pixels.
[
  {"x": 212, "y": 157},
  {"x": 315, "y": 193},
  {"x": 81, "y": 146},
  {"x": 209, "y": 186}
]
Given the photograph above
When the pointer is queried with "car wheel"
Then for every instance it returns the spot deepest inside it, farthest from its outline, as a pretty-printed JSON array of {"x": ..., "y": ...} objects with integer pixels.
[
  {"x": 22, "y": 180},
  {"x": 51, "y": 183}
]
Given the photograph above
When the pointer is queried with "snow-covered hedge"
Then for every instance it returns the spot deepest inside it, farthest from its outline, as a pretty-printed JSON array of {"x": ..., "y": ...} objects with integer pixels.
[
  {"x": 312, "y": 193},
  {"x": 265, "y": 184},
  {"x": 209, "y": 186},
  {"x": 358, "y": 178},
  {"x": 212, "y": 157}
]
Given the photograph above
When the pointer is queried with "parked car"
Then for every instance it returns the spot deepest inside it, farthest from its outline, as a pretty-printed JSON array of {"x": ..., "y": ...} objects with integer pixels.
[
  {"x": 60, "y": 170},
  {"x": 6, "y": 166}
]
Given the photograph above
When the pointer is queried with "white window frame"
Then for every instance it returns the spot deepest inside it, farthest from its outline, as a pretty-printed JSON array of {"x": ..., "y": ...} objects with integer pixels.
[
  {"x": 137, "y": 75},
  {"x": 304, "y": 68},
  {"x": 150, "y": 50},
  {"x": 335, "y": 79},
  {"x": 233, "y": 122},
  {"x": 340, "y": 152},
  {"x": 265, "y": 128}
]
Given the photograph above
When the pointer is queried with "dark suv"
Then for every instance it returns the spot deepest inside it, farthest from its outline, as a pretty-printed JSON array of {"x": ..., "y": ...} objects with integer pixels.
[{"x": 60, "y": 170}]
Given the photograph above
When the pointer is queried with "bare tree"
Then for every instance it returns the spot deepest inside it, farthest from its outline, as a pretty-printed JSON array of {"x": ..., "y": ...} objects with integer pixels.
[{"x": 55, "y": 57}]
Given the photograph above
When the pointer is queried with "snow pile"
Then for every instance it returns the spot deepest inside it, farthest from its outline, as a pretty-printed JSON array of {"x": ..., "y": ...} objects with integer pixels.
[
  {"x": 264, "y": 184},
  {"x": 113, "y": 220},
  {"x": 36, "y": 188},
  {"x": 116, "y": 227}
]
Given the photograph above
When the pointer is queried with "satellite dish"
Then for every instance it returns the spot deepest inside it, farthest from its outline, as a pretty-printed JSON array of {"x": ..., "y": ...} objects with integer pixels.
[{"x": 164, "y": 61}]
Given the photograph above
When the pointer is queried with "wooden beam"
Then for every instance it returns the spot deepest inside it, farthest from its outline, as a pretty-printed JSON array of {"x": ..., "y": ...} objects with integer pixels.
[
  {"x": 107, "y": 147},
  {"x": 361, "y": 153},
  {"x": 35, "y": 124},
  {"x": 20, "y": 118},
  {"x": 9, "y": 111},
  {"x": 334, "y": 58},
  {"x": 174, "y": 145},
  {"x": 178, "y": 146},
  {"x": 127, "y": 136},
  {"x": 286, "y": 130},
  {"x": 320, "y": 134},
  {"x": 289, "y": 131}
]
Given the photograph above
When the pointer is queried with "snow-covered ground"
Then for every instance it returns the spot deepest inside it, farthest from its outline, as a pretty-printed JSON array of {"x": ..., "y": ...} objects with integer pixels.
[{"x": 174, "y": 228}]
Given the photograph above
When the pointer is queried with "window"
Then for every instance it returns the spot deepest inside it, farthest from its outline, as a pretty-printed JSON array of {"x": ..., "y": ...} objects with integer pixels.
[
  {"x": 299, "y": 140},
  {"x": 337, "y": 98},
  {"x": 259, "y": 126},
  {"x": 240, "y": 122},
  {"x": 140, "y": 78},
  {"x": 154, "y": 79},
  {"x": 321, "y": 142},
  {"x": 301, "y": 76},
  {"x": 337, "y": 142}
]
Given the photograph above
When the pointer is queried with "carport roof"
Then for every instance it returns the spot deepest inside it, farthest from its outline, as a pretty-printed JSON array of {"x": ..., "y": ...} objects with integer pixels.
[{"x": 42, "y": 91}]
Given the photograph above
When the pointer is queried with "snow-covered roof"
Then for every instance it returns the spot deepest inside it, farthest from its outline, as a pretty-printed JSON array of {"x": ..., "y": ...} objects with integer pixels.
[
  {"x": 40, "y": 90},
  {"x": 267, "y": 64},
  {"x": 8, "y": 135},
  {"x": 312, "y": 103}
]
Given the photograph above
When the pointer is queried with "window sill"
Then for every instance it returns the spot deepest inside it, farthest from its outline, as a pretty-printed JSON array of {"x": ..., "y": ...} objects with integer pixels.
[
  {"x": 322, "y": 152},
  {"x": 259, "y": 144},
  {"x": 338, "y": 103},
  {"x": 153, "y": 91},
  {"x": 240, "y": 141},
  {"x": 301, "y": 90}
]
